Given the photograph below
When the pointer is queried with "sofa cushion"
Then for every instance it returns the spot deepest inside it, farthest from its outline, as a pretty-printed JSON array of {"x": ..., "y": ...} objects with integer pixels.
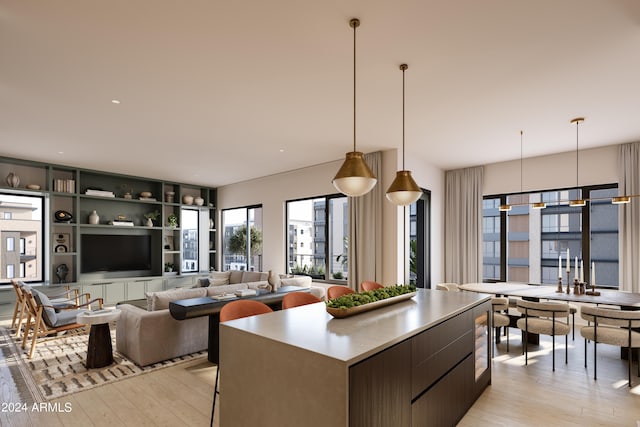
[
  {"x": 225, "y": 289},
  {"x": 302, "y": 281},
  {"x": 253, "y": 276},
  {"x": 160, "y": 300},
  {"x": 235, "y": 276},
  {"x": 263, "y": 284},
  {"x": 220, "y": 278}
]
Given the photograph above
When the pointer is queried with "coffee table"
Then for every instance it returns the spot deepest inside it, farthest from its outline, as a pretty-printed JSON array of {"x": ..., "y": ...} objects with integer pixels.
[{"x": 99, "y": 349}]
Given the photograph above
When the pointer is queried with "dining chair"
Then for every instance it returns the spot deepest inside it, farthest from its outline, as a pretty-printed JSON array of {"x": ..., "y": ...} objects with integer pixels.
[
  {"x": 613, "y": 327},
  {"x": 44, "y": 320},
  {"x": 296, "y": 299},
  {"x": 337, "y": 291},
  {"x": 544, "y": 318},
  {"x": 448, "y": 287},
  {"x": 231, "y": 311},
  {"x": 499, "y": 319},
  {"x": 369, "y": 286}
]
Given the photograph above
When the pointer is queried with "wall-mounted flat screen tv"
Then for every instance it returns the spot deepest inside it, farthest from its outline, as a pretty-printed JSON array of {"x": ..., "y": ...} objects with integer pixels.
[{"x": 115, "y": 252}]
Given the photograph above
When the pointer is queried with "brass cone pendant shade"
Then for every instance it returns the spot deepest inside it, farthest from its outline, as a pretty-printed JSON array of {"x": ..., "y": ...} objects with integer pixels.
[
  {"x": 403, "y": 190},
  {"x": 354, "y": 178}
]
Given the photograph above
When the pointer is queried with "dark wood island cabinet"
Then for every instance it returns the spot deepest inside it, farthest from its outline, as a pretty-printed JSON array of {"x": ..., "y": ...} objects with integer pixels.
[{"x": 416, "y": 363}]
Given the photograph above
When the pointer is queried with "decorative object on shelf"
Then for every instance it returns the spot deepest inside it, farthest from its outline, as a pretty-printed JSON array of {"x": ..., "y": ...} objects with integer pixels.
[
  {"x": 168, "y": 267},
  {"x": 13, "y": 180},
  {"x": 127, "y": 196},
  {"x": 199, "y": 201},
  {"x": 61, "y": 273},
  {"x": 354, "y": 178},
  {"x": 151, "y": 217},
  {"x": 168, "y": 243},
  {"x": 62, "y": 216},
  {"x": 211, "y": 223},
  {"x": 33, "y": 187},
  {"x": 145, "y": 194},
  {"x": 187, "y": 199},
  {"x": 61, "y": 241},
  {"x": 172, "y": 220},
  {"x": 168, "y": 196},
  {"x": 94, "y": 218},
  {"x": 403, "y": 190}
]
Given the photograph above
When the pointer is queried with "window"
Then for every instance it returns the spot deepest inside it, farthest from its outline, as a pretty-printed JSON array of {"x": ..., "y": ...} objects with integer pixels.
[
  {"x": 21, "y": 237},
  {"x": 190, "y": 232},
  {"x": 420, "y": 241},
  {"x": 242, "y": 250},
  {"x": 321, "y": 252},
  {"x": 527, "y": 247}
]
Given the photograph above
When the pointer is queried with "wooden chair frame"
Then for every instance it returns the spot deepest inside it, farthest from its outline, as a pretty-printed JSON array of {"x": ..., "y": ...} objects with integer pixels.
[
  {"x": 39, "y": 329},
  {"x": 20, "y": 309}
]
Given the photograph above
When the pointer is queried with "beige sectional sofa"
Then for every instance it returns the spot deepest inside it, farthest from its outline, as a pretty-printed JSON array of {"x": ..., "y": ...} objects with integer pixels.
[{"x": 153, "y": 335}]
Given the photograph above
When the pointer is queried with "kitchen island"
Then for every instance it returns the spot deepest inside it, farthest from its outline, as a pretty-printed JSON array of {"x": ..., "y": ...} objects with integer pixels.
[{"x": 421, "y": 361}]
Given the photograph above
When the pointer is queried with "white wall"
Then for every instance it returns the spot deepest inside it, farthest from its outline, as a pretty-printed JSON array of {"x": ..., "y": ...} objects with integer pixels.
[
  {"x": 596, "y": 166},
  {"x": 273, "y": 191}
]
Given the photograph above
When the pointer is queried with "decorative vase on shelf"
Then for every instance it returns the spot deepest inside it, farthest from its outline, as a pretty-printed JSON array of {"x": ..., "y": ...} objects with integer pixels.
[
  {"x": 169, "y": 196},
  {"x": 94, "y": 218},
  {"x": 149, "y": 222},
  {"x": 187, "y": 199},
  {"x": 199, "y": 201},
  {"x": 211, "y": 224},
  {"x": 13, "y": 180}
]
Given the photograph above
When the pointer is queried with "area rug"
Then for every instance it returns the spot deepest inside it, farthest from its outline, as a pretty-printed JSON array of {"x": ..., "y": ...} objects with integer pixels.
[{"x": 57, "y": 366}]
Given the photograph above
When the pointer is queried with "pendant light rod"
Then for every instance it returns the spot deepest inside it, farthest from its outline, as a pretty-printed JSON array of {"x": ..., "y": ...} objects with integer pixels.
[
  {"x": 577, "y": 121},
  {"x": 403, "y": 67},
  {"x": 521, "y": 161},
  {"x": 354, "y": 23}
]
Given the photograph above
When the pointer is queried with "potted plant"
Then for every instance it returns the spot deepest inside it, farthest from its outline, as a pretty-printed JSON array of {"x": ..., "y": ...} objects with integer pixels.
[
  {"x": 151, "y": 217},
  {"x": 168, "y": 267},
  {"x": 172, "y": 220}
]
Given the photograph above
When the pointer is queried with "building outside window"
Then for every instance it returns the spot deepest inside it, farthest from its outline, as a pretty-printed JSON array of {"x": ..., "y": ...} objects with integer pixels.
[
  {"x": 21, "y": 237},
  {"x": 535, "y": 238},
  {"x": 321, "y": 251},
  {"x": 242, "y": 250}
]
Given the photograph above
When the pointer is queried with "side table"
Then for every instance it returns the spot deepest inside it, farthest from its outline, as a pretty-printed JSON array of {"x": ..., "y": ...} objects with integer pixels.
[{"x": 99, "y": 350}]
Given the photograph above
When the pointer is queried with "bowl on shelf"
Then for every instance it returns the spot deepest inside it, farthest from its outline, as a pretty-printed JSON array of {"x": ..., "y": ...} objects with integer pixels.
[
  {"x": 33, "y": 187},
  {"x": 198, "y": 201},
  {"x": 187, "y": 199},
  {"x": 145, "y": 194}
]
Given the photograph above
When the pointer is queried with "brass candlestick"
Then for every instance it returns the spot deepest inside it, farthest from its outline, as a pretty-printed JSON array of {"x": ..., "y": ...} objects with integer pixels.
[
  {"x": 568, "y": 282},
  {"x": 559, "y": 290},
  {"x": 576, "y": 287}
]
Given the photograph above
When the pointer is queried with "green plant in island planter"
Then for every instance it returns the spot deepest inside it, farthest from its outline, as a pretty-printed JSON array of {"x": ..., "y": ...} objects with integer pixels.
[{"x": 172, "y": 220}]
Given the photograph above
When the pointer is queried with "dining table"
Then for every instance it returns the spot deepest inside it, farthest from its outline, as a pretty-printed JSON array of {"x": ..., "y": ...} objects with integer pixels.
[{"x": 534, "y": 292}]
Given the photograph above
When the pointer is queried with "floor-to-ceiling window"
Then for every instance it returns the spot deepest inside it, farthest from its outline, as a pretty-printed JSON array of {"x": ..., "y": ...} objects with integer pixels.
[
  {"x": 242, "y": 250},
  {"x": 525, "y": 243},
  {"x": 420, "y": 241},
  {"x": 317, "y": 237}
]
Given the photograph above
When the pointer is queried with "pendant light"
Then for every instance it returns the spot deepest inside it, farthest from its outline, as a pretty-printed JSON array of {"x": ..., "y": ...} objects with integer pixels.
[
  {"x": 577, "y": 202},
  {"x": 403, "y": 190},
  {"x": 354, "y": 178}
]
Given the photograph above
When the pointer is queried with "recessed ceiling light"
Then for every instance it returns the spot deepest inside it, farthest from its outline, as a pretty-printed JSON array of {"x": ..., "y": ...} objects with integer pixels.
[
  {"x": 282, "y": 150},
  {"x": 60, "y": 152},
  {"x": 115, "y": 101}
]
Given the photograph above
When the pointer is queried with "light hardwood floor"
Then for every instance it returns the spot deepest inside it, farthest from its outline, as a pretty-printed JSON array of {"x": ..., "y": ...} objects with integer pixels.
[{"x": 520, "y": 395}]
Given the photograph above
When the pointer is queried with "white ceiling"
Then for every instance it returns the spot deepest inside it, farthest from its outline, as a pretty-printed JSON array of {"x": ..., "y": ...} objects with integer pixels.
[{"x": 211, "y": 91}]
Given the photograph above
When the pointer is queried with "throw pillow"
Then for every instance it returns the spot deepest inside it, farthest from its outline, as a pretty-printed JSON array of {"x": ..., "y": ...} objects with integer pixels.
[
  {"x": 203, "y": 282},
  {"x": 302, "y": 281},
  {"x": 160, "y": 300},
  {"x": 219, "y": 278}
]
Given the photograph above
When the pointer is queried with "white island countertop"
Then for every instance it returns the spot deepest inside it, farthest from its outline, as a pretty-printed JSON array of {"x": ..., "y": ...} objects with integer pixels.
[{"x": 355, "y": 338}]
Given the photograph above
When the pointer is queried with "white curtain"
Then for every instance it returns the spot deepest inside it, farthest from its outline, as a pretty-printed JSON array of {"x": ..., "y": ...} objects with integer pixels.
[
  {"x": 463, "y": 225},
  {"x": 629, "y": 184},
  {"x": 365, "y": 229}
]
